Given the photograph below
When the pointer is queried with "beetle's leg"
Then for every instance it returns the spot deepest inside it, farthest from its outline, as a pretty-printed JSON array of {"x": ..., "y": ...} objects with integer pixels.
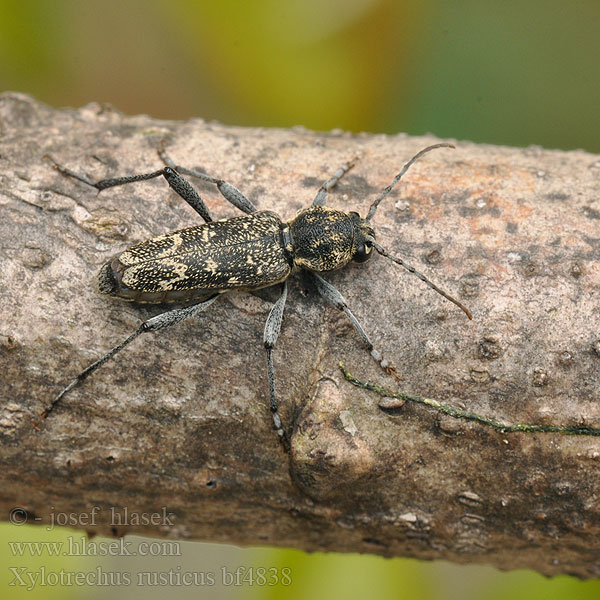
[
  {"x": 228, "y": 191},
  {"x": 321, "y": 197},
  {"x": 153, "y": 324},
  {"x": 272, "y": 327},
  {"x": 174, "y": 179},
  {"x": 332, "y": 295}
]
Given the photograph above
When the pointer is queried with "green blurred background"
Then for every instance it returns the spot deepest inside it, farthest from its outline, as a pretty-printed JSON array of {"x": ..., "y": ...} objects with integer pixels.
[
  {"x": 502, "y": 71},
  {"x": 514, "y": 72}
]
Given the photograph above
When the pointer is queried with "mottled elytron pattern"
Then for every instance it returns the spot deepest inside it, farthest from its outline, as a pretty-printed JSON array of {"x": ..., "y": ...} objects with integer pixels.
[
  {"x": 240, "y": 253},
  {"x": 246, "y": 252}
]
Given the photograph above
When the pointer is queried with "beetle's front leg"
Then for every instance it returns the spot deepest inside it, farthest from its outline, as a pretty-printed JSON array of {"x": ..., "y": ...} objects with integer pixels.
[
  {"x": 321, "y": 197},
  {"x": 332, "y": 295}
]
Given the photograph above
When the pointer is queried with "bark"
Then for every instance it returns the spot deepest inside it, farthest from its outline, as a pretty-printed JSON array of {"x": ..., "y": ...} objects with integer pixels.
[{"x": 180, "y": 422}]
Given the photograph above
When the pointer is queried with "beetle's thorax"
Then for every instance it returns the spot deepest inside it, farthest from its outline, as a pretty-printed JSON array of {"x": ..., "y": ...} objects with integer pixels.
[{"x": 325, "y": 239}]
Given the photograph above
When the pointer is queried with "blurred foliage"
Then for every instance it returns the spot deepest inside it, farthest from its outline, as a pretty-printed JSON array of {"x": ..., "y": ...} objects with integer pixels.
[
  {"x": 514, "y": 72},
  {"x": 299, "y": 575},
  {"x": 22, "y": 572},
  {"x": 360, "y": 577}
]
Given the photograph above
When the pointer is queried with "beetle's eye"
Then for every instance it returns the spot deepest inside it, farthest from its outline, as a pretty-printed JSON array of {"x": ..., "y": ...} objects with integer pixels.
[{"x": 362, "y": 254}]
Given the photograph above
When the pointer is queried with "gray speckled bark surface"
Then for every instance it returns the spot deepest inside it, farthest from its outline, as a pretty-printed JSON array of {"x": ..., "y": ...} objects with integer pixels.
[{"x": 180, "y": 419}]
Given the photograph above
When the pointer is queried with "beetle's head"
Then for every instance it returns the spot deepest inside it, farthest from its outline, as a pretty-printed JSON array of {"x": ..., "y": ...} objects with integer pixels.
[{"x": 363, "y": 234}]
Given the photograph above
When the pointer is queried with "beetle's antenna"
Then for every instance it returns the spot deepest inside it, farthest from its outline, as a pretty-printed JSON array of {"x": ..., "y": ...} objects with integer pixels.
[
  {"x": 405, "y": 168},
  {"x": 422, "y": 277}
]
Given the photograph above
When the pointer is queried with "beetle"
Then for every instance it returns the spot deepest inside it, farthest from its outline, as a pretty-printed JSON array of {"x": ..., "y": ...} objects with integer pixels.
[{"x": 195, "y": 265}]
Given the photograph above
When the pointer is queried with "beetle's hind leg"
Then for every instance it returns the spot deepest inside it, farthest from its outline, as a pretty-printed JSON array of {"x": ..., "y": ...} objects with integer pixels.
[
  {"x": 228, "y": 191},
  {"x": 182, "y": 187},
  {"x": 272, "y": 327},
  {"x": 153, "y": 324},
  {"x": 333, "y": 296},
  {"x": 321, "y": 197}
]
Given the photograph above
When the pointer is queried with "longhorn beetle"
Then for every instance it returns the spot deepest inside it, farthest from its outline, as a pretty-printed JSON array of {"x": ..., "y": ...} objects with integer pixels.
[{"x": 197, "y": 264}]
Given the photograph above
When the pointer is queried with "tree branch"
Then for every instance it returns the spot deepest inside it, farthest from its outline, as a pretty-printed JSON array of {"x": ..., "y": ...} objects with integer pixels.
[{"x": 180, "y": 419}]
